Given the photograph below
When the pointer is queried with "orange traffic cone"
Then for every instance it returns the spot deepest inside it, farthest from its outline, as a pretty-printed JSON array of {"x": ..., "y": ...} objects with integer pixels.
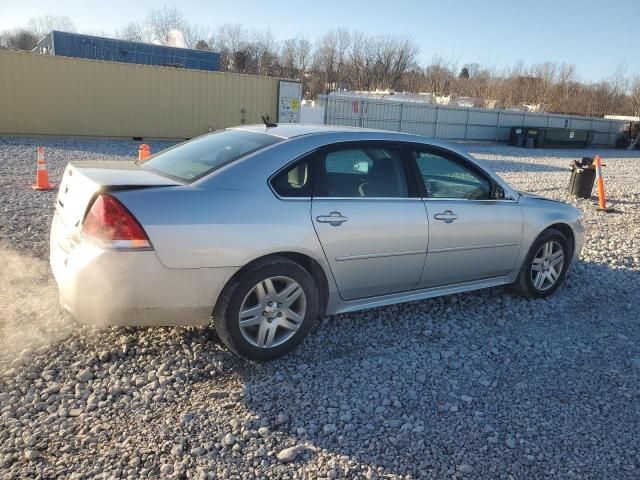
[
  {"x": 602, "y": 200},
  {"x": 42, "y": 176},
  {"x": 144, "y": 152}
]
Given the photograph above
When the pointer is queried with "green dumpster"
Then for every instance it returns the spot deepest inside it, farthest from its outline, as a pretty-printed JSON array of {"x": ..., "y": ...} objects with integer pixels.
[{"x": 550, "y": 137}]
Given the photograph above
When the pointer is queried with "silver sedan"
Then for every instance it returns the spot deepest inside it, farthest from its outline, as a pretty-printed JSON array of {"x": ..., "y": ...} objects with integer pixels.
[{"x": 260, "y": 230}]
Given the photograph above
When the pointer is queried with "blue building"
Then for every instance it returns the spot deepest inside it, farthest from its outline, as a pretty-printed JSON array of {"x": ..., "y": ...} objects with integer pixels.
[{"x": 100, "y": 48}]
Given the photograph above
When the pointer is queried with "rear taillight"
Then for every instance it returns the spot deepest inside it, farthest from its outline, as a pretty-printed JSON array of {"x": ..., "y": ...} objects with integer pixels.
[{"x": 112, "y": 225}]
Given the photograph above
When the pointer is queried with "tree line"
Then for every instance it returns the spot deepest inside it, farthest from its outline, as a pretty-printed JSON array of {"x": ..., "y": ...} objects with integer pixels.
[{"x": 350, "y": 60}]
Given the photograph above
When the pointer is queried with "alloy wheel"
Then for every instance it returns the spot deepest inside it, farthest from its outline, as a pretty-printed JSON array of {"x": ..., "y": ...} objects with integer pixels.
[
  {"x": 547, "y": 264},
  {"x": 272, "y": 312}
]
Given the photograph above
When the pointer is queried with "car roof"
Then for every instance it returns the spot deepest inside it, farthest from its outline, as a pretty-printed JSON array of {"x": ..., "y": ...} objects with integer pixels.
[{"x": 292, "y": 130}]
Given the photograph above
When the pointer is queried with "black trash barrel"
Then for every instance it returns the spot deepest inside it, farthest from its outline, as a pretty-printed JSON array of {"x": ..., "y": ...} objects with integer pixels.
[{"x": 583, "y": 176}]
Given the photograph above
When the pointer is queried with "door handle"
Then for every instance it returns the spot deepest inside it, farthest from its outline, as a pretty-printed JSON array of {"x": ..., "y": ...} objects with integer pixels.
[
  {"x": 447, "y": 216},
  {"x": 335, "y": 219}
]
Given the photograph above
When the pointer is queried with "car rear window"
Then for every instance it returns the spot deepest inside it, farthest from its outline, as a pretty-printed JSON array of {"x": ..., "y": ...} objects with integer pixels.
[{"x": 196, "y": 158}]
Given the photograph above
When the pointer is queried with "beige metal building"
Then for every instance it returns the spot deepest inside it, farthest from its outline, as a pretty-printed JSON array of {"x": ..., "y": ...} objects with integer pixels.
[{"x": 53, "y": 95}]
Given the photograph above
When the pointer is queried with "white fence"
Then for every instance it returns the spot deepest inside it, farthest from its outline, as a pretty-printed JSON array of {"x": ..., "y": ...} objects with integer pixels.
[{"x": 456, "y": 123}]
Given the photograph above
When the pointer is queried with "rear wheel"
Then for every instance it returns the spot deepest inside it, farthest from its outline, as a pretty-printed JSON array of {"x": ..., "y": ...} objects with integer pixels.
[
  {"x": 268, "y": 310},
  {"x": 545, "y": 268}
]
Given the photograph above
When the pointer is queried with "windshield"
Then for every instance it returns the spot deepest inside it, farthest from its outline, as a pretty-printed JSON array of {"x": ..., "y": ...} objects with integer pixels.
[{"x": 196, "y": 158}]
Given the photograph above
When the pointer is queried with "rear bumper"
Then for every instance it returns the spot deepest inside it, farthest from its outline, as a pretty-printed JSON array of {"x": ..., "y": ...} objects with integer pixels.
[{"x": 132, "y": 288}]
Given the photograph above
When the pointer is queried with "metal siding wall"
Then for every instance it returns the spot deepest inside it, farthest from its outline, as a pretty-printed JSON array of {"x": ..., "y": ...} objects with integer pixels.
[
  {"x": 601, "y": 125},
  {"x": 451, "y": 131},
  {"x": 512, "y": 119},
  {"x": 449, "y": 115},
  {"x": 483, "y": 117},
  {"x": 419, "y": 113},
  {"x": 480, "y": 132},
  {"x": 556, "y": 122},
  {"x": 601, "y": 138},
  {"x": 386, "y": 111},
  {"x": 535, "y": 121},
  {"x": 581, "y": 124},
  {"x": 455, "y": 123},
  {"x": 424, "y": 129},
  {"x": 110, "y": 49},
  {"x": 343, "y": 109},
  {"x": 48, "y": 95}
]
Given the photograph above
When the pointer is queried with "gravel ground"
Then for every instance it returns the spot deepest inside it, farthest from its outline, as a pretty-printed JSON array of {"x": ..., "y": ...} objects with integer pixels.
[{"x": 480, "y": 385}]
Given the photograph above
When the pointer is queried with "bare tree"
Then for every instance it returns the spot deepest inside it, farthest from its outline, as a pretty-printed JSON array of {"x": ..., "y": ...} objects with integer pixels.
[
  {"x": 404, "y": 58},
  {"x": 238, "y": 53},
  {"x": 168, "y": 26},
  {"x": 359, "y": 61},
  {"x": 266, "y": 51},
  {"x": 44, "y": 24},
  {"x": 161, "y": 22},
  {"x": 482, "y": 87},
  {"x": 325, "y": 61},
  {"x": 635, "y": 95},
  {"x": 132, "y": 32},
  {"x": 546, "y": 74},
  {"x": 287, "y": 58},
  {"x": 438, "y": 76},
  {"x": 202, "y": 45},
  {"x": 565, "y": 80},
  {"x": 303, "y": 54},
  {"x": 343, "y": 43},
  {"x": 19, "y": 39},
  {"x": 294, "y": 56},
  {"x": 469, "y": 70},
  {"x": 619, "y": 85}
]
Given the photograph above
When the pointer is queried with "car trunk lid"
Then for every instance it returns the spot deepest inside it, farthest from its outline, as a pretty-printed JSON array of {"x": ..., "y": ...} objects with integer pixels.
[{"x": 83, "y": 180}]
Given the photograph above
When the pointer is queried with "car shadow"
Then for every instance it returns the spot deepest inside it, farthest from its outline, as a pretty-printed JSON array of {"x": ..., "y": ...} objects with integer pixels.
[
  {"x": 438, "y": 390},
  {"x": 616, "y": 200},
  {"x": 485, "y": 379}
]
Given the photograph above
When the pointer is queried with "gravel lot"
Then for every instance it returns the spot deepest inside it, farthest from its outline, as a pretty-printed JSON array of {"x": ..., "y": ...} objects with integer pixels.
[{"x": 480, "y": 385}]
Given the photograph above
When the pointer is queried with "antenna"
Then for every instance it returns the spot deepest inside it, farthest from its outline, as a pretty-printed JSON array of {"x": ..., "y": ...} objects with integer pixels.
[{"x": 267, "y": 123}]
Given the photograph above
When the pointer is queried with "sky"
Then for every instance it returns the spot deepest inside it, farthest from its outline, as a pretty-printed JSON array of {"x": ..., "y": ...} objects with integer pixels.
[{"x": 598, "y": 37}]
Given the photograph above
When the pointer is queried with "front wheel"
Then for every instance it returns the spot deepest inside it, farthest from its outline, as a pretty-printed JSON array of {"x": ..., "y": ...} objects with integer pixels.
[
  {"x": 545, "y": 267},
  {"x": 268, "y": 310}
]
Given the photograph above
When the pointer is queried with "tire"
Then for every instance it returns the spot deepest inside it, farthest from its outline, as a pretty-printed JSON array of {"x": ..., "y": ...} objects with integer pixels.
[
  {"x": 267, "y": 330},
  {"x": 526, "y": 283}
]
